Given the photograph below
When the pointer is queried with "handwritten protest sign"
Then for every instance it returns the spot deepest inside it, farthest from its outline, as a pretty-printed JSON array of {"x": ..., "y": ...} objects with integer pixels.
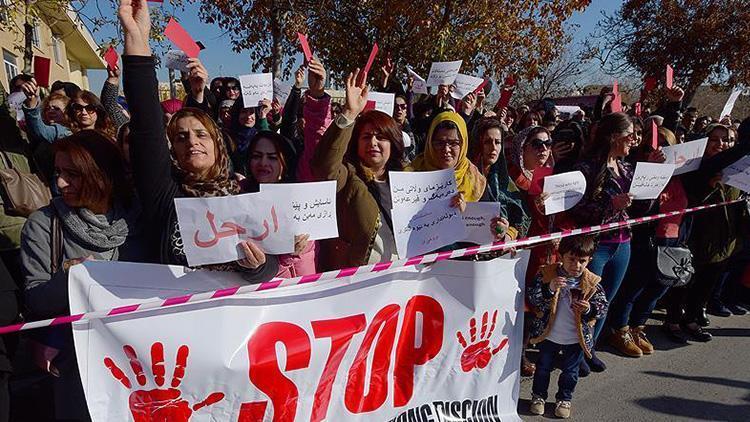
[
  {"x": 478, "y": 219},
  {"x": 465, "y": 85},
  {"x": 417, "y": 188},
  {"x": 211, "y": 228},
  {"x": 443, "y": 73},
  {"x": 650, "y": 179},
  {"x": 565, "y": 191},
  {"x": 419, "y": 86},
  {"x": 384, "y": 101},
  {"x": 729, "y": 106},
  {"x": 281, "y": 91},
  {"x": 310, "y": 208},
  {"x": 256, "y": 87},
  {"x": 686, "y": 157},
  {"x": 177, "y": 60},
  {"x": 738, "y": 174},
  {"x": 419, "y": 229}
]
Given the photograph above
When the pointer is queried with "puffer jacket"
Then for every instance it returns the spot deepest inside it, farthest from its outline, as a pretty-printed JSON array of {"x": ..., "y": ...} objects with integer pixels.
[{"x": 544, "y": 302}]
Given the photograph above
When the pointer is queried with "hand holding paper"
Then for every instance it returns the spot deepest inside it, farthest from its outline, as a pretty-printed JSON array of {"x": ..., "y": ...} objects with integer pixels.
[
  {"x": 565, "y": 191},
  {"x": 650, "y": 179}
]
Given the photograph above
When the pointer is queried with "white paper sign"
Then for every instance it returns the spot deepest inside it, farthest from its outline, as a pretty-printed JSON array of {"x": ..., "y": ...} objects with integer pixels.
[
  {"x": 565, "y": 191},
  {"x": 395, "y": 345},
  {"x": 384, "y": 101},
  {"x": 309, "y": 207},
  {"x": 568, "y": 109},
  {"x": 15, "y": 101},
  {"x": 650, "y": 179},
  {"x": 419, "y": 86},
  {"x": 419, "y": 229},
  {"x": 443, "y": 73},
  {"x": 417, "y": 188},
  {"x": 281, "y": 91},
  {"x": 211, "y": 228},
  {"x": 465, "y": 85},
  {"x": 478, "y": 219},
  {"x": 177, "y": 60},
  {"x": 686, "y": 157},
  {"x": 738, "y": 174},
  {"x": 256, "y": 87},
  {"x": 729, "y": 106}
]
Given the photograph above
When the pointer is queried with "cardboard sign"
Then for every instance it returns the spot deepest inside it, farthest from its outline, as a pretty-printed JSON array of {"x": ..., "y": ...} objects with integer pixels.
[
  {"x": 305, "y": 46},
  {"x": 180, "y": 37},
  {"x": 111, "y": 58},
  {"x": 41, "y": 71},
  {"x": 670, "y": 77},
  {"x": 443, "y": 73},
  {"x": 256, "y": 87}
]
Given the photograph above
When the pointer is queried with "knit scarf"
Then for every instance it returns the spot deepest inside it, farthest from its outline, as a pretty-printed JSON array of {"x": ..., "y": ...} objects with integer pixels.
[{"x": 96, "y": 232}]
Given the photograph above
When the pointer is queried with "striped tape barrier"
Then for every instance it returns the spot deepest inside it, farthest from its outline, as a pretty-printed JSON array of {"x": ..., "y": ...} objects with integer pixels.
[{"x": 346, "y": 272}]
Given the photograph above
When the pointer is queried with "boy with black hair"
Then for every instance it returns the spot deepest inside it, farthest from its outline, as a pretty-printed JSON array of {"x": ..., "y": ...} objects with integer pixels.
[{"x": 567, "y": 300}]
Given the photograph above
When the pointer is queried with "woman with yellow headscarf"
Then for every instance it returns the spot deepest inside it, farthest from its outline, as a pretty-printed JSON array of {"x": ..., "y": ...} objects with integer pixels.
[{"x": 447, "y": 147}]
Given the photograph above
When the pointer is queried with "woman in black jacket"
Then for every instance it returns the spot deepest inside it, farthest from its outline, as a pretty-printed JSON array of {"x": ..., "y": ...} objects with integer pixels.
[{"x": 198, "y": 163}]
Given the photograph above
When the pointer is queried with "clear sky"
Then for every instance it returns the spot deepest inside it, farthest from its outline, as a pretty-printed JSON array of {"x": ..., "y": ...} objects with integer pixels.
[{"x": 221, "y": 60}]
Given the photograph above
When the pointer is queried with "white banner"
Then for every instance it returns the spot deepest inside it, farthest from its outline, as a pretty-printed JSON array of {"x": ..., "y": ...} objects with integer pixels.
[
  {"x": 686, "y": 157},
  {"x": 441, "y": 342},
  {"x": 256, "y": 87}
]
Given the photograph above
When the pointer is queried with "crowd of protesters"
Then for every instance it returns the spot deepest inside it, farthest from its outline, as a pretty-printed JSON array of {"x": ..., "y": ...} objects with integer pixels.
[{"x": 114, "y": 166}]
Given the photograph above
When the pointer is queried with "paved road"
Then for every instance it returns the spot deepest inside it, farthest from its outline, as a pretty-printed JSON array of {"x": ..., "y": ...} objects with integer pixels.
[{"x": 698, "y": 381}]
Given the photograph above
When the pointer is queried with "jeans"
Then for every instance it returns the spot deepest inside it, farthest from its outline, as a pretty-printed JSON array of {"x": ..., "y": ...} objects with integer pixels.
[
  {"x": 640, "y": 289},
  {"x": 572, "y": 355},
  {"x": 610, "y": 262}
]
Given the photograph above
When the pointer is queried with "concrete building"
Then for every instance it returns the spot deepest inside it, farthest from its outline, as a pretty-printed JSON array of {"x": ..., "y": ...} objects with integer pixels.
[{"x": 59, "y": 35}]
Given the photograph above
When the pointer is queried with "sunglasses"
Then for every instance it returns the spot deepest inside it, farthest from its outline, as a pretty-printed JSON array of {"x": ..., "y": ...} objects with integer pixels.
[
  {"x": 78, "y": 108},
  {"x": 401, "y": 106},
  {"x": 538, "y": 144},
  {"x": 233, "y": 88}
]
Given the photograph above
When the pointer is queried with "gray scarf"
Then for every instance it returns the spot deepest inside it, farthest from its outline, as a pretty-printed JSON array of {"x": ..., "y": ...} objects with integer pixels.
[{"x": 96, "y": 232}]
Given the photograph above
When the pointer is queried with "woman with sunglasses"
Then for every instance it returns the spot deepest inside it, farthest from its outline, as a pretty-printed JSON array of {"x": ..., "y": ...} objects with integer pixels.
[{"x": 85, "y": 111}]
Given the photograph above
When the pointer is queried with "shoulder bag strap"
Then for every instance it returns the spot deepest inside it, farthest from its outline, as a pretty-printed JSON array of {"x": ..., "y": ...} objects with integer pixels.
[{"x": 56, "y": 244}]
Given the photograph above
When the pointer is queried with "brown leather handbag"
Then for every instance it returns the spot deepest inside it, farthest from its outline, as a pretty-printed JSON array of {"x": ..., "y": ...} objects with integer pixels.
[{"x": 23, "y": 192}]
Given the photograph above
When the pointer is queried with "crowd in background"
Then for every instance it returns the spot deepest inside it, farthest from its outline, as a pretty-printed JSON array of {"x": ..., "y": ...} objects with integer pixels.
[{"x": 114, "y": 165}]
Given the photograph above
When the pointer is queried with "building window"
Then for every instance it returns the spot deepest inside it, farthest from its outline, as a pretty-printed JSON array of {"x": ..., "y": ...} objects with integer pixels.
[
  {"x": 56, "y": 51},
  {"x": 11, "y": 68},
  {"x": 35, "y": 36}
]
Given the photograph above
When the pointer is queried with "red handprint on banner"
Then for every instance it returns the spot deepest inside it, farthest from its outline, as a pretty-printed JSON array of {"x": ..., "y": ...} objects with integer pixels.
[
  {"x": 159, "y": 404},
  {"x": 478, "y": 354}
]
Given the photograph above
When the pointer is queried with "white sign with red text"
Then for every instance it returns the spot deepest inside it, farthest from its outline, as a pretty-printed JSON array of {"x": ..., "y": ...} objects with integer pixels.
[{"x": 440, "y": 342}]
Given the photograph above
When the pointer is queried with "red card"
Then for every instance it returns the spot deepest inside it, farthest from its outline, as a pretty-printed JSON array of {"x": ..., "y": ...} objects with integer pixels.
[
  {"x": 616, "y": 104},
  {"x": 537, "y": 182},
  {"x": 41, "y": 71},
  {"x": 509, "y": 81},
  {"x": 650, "y": 83},
  {"x": 370, "y": 105},
  {"x": 504, "y": 99},
  {"x": 637, "y": 109},
  {"x": 479, "y": 88},
  {"x": 654, "y": 135},
  {"x": 371, "y": 59},
  {"x": 111, "y": 57},
  {"x": 177, "y": 34},
  {"x": 305, "y": 46},
  {"x": 670, "y": 77}
]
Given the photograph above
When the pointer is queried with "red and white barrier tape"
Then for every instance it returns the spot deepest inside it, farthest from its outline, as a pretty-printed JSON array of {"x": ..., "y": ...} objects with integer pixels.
[{"x": 346, "y": 272}]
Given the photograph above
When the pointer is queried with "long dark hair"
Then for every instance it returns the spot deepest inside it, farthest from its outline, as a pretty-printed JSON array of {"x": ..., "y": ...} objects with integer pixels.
[
  {"x": 282, "y": 151},
  {"x": 388, "y": 129},
  {"x": 598, "y": 150}
]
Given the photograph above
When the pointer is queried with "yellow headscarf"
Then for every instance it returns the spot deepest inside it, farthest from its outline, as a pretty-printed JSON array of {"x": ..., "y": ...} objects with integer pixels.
[{"x": 470, "y": 181}]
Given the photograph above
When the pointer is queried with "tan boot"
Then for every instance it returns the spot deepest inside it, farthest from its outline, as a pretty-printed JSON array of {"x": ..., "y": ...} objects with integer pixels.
[
  {"x": 622, "y": 340},
  {"x": 639, "y": 337}
]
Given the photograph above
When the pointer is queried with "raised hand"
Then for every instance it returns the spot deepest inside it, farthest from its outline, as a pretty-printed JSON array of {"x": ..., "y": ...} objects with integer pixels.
[
  {"x": 198, "y": 76},
  {"x": 31, "y": 90},
  {"x": 265, "y": 108},
  {"x": 317, "y": 78},
  {"x": 299, "y": 77},
  {"x": 386, "y": 70},
  {"x": 675, "y": 94},
  {"x": 356, "y": 95},
  {"x": 300, "y": 243},
  {"x": 113, "y": 75},
  {"x": 136, "y": 26},
  {"x": 469, "y": 103}
]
